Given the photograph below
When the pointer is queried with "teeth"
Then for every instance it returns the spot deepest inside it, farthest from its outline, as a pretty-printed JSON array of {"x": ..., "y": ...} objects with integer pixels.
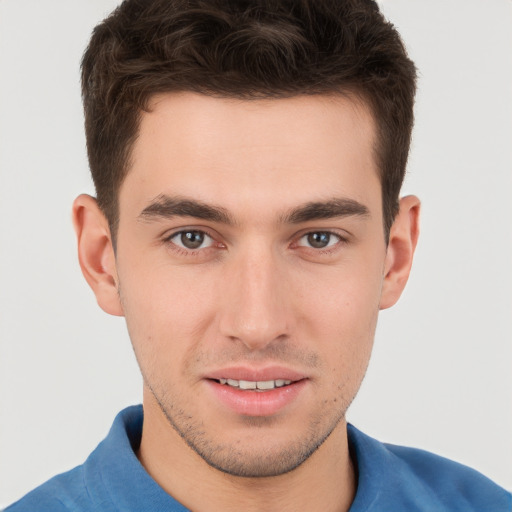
[
  {"x": 262, "y": 385},
  {"x": 247, "y": 384},
  {"x": 267, "y": 384}
]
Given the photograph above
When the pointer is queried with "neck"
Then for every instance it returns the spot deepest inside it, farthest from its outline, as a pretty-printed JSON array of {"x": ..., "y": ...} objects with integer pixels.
[{"x": 326, "y": 481}]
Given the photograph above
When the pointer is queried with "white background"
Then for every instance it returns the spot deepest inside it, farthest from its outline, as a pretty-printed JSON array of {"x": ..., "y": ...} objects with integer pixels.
[{"x": 441, "y": 373}]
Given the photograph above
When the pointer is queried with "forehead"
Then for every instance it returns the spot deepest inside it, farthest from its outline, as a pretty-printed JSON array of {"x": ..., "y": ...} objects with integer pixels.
[{"x": 236, "y": 150}]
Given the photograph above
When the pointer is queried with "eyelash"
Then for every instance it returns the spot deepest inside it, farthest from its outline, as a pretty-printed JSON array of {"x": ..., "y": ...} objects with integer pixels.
[
  {"x": 190, "y": 252},
  {"x": 322, "y": 250},
  {"x": 341, "y": 240}
]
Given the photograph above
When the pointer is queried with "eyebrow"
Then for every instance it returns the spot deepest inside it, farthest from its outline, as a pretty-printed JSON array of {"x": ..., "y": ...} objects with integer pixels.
[
  {"x": 333, "y": 208},
  {"x": 166, "y": 207}
]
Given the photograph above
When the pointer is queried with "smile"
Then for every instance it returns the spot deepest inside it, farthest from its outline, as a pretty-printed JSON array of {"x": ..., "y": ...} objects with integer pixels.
[
  {"x": 263, "y": 392},
  {"x": 263, "y": 385}
]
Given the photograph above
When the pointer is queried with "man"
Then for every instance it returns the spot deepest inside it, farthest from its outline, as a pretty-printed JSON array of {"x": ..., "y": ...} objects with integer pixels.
[{"x": 248, "y": 160}]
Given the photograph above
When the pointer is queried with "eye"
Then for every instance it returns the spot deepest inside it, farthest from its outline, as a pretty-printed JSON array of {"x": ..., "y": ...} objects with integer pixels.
[
  {"x": 319, "y": 239},
  {"x": 192, "y": 239}
]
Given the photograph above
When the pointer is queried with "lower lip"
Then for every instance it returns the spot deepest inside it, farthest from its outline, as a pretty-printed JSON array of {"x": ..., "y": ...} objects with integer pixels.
[{"x": 256, "y": 403}]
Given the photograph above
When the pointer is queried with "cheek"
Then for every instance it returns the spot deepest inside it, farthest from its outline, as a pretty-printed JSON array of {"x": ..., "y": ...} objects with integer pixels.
[
  {"x": 340, "y": 312},
  {"x": 167, "y": 311},
  {"x": 344, "y": 299}
]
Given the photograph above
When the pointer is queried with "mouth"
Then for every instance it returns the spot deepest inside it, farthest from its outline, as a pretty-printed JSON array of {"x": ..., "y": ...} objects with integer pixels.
[
  {"x": 256, "y": 392},
  {"x": 255, "y": 385}
]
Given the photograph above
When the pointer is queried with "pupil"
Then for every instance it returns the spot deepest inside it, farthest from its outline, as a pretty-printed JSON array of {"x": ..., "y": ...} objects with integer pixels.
[
  {"x": 192, "y": 239},
  {"x": 319, "y": 240}
]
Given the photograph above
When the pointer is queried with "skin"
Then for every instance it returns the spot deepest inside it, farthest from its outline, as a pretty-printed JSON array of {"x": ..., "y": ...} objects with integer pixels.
[{"x": 257, "y": 294}]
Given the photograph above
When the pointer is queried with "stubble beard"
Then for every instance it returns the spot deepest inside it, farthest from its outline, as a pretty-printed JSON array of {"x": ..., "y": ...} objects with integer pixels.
[{"x": 239, "y": 463}]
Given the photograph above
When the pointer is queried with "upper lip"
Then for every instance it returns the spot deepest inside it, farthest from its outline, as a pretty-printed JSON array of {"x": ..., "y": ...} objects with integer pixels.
[{"x": 255, "y": 374}]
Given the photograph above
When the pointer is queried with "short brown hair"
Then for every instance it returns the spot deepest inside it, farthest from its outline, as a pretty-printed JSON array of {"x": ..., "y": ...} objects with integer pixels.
[{"x": 245, "y": 49}]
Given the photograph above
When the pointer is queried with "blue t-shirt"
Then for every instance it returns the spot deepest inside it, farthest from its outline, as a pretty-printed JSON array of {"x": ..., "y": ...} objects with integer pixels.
[{"x": 390, "y": 478}]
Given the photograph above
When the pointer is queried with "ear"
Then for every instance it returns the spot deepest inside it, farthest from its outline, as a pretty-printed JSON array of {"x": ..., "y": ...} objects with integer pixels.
[
  {"x": 403, "y": 237},
  {"x": 96, "y": 253}
]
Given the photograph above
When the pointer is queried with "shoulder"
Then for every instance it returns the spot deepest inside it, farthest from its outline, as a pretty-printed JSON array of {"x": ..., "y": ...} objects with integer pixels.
[
  {"x": 415, "y": 479},
  {"x": 62, "y": 493},
  {"x": 91, "y": 486},
  {"x": 456, "y": 484}
]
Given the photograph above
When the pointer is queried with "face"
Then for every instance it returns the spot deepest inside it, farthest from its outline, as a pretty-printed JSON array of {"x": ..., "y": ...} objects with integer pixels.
[{"x": 250, "y": 263}]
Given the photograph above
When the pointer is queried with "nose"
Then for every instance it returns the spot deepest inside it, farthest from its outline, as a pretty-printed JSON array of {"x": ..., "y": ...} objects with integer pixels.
[{"x": 255, "y": 305}]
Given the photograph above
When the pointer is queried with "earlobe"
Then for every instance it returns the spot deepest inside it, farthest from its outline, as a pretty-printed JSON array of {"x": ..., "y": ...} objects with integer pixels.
[
  {"x": 403, "y": 238},
  {"x": 96, "y": 253}
]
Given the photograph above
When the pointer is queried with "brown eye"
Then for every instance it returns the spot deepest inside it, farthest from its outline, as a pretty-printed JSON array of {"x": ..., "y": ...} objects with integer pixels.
[
  {"x": 319, "y": 239},
  {"x": 192, "y": 239}
]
